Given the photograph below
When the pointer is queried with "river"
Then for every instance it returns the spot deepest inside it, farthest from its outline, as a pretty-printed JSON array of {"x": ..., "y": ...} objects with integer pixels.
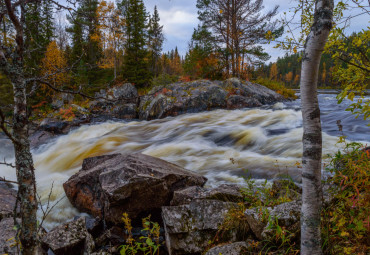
[{"x": 223, "y": 145}]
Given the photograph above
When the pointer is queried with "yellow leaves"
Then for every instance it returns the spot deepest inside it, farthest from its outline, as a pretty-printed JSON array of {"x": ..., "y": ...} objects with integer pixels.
[
  {"x": 53, "y": 65},
  {"x": 351, "y": 96},
  {"x": 295, "y": 49},
  {"x": 344, "y": 233},
  {"x": 221, "y": 11}
]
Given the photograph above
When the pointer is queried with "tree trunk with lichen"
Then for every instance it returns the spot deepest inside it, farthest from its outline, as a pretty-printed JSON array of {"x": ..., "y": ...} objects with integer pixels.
[
  {"x": 25, "y": 170},
  {"x": 312, "y": 137},
  {"x": 11, "y": 63}
]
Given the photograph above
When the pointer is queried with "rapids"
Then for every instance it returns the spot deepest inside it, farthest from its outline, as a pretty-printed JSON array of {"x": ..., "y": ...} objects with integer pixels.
[{"x": 223, "y": 145}]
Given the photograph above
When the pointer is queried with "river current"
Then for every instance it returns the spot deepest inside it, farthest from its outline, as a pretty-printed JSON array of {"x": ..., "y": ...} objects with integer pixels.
[{"x": 222, "y": 145}]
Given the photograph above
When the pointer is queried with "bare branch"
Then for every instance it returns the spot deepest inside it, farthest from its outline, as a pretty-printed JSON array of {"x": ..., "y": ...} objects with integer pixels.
[{"x": 2, "y": 179}]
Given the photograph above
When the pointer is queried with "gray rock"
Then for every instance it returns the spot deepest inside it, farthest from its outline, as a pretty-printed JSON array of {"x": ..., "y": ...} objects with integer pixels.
[
  {"x": 224, "y": 192},
  {"x": 204, "y": 95},
  {"x": 71, "y": 238},
  {"x": 133, "y": 183},
  {"x": 127, "y": 93},
  {"x": 7, "y": 200},
  {"x": 8, "y": 244},
  {"x": 54, "y": 126},
  {"x": 287, "y": 213},
  {"x": 189, "y": 228},
  {"x": 126, "y": 111},
  {"x": 256, "y": 221},
  {"x": 237, "y": 248},
  {"x": 40, "y": 137},
  {"x": 238, "y": 102}
]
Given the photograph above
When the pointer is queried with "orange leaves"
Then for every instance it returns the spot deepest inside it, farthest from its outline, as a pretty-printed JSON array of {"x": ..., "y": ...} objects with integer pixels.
[{"x": 67, "y": 114}]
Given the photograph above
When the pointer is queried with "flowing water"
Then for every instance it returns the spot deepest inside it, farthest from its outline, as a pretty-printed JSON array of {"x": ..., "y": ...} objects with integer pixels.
[{"x": 222, "y": 145}]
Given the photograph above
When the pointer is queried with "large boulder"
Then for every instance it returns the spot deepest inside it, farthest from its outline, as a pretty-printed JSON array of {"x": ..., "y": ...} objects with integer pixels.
[
  {"x": 189, "y": 228},
  {"x": 204, "y": 95},
  {"x": 8, "y": 198},
  {"x": 118, "y": 102},
  {"x": 134, "y": 183},
  {"x": 71, "y": 238}
]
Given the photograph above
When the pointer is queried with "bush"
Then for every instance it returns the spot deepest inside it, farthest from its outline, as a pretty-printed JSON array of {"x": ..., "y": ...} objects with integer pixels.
[{"x": 277, "y": 86}]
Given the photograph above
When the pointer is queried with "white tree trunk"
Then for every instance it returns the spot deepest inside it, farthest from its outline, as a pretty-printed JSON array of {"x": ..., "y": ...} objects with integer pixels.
[{"x": 312, "y": 138}]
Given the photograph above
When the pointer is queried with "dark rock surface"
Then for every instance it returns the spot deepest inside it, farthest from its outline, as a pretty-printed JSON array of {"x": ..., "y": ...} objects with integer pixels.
[
  {"x": 237, "y": 248},
  {"x": 202, "y": 95},
  {"x": 135, "y": 183},
  {"x": 7, "y": 200},
  {"x": 7, "y": 235},
  {"x": 224, "y": 192},
  {"x": 190, "y": 227},
  {"x": 71, "y": 238}
]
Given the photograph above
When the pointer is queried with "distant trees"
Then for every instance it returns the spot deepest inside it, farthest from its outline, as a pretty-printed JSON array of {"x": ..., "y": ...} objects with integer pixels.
[
  {"x": 111, "y": 31},
  {"x": 238, "y": 27}
]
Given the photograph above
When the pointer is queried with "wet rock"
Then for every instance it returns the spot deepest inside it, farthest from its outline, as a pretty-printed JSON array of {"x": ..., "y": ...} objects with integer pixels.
[
  {"x": 224, "y": 192},
  {"x": 204, "y": 95},
  {"x": 126, "y": 111},
  {"x": 70, "y": 238},
  {"x": 40, "y": 137},
  {"x": 54, "y": 126},
  {"x": 8, "y": 198},
  {"x": 133, "y": 183},
  {"x": 188, "y": 228},
  {"x": 7, "y": 235},
  {"x": 237, "y": 248},
  {"x": 238, "y": 102}
]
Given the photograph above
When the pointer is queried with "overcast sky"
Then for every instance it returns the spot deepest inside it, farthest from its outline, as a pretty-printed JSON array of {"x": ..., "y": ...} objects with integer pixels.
[{"x": 179, "y": 18}]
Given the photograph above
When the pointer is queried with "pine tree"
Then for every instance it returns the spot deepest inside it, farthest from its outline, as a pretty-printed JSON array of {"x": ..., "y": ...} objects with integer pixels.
[
  {"x": 135, "y": 63},
  {"x": 156, "y": 39},
  {"x": 86, "y": 46}
]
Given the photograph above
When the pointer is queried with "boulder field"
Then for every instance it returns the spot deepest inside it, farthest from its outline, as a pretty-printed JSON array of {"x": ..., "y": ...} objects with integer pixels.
[{"x": 189, "y": 214}]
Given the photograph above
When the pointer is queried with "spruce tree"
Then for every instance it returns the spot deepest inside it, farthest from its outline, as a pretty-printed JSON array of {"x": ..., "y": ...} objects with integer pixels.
[
  {"x": 38, "y": 33},
  {"x": 85, "y": 41},
  {"x": 135, "y": 63},
  {"x": 156, "y": 39}
]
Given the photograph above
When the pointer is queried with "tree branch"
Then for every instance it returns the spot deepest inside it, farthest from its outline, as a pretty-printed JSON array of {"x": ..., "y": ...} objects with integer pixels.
[{"x": 4, "y": 129}]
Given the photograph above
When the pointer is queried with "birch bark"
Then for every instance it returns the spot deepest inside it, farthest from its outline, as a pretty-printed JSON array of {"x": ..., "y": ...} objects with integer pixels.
[{"x": 312, "y": 137}]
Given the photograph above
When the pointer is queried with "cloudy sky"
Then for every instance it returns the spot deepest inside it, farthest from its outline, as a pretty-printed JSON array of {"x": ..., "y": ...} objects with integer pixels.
[{"x": 179, "y": 18}]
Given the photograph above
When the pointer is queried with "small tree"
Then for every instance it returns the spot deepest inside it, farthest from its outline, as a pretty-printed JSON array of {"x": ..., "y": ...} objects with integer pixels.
[{"x": 51, "y": 64}]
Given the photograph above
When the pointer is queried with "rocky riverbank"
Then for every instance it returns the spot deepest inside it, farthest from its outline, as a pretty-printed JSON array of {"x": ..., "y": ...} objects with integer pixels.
[
  {"x": 124, "y": 103},
  {"x": 191, "y": 216}
]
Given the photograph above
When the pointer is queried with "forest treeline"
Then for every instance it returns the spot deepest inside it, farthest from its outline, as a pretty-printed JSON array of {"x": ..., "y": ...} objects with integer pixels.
[{"x": 102, "y": 43}]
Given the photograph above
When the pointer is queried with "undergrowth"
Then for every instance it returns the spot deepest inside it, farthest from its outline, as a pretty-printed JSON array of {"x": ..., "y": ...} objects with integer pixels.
[
  {"x": 345, "y": 221},
  {"x": 277, "y": 86},
  {"x": 148, "y": 244}
]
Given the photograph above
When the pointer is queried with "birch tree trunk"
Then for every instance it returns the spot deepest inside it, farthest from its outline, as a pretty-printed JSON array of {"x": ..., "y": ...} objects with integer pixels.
[
  {"x": 11, "y": 63},
  {"x": 312, "y": 138}
]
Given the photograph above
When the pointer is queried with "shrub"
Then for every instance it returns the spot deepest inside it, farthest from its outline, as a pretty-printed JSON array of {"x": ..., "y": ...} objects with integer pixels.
[{"x": 277, "y": 86}]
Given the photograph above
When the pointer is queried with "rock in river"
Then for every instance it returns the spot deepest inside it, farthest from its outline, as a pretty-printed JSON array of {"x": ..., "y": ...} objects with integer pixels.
[{"x": 134, "y": 183}]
